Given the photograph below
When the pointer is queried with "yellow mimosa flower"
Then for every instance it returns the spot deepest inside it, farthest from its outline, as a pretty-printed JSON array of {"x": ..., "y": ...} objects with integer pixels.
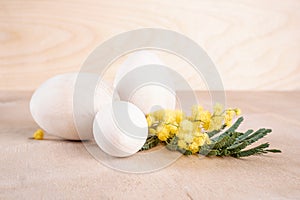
[
  {"x": 199, "y": 140},
  {"x": 186, "y": 126},
  {"x": 238, "y": 111},
  {"x": 162, "y": 133},
  {"x": 173, "y": 128},
  {"x": 216, "y": 123},
  {"x": 179, "y": 116},
  {"x": 193, "y": 147},
  {"x": 218, "y": 109},
  {"x": 38, "y": 134},
  {"x": 196, "y": 110},
  {"x": 205, "y": 118},
  {"x": 182, "y": 144},
  {"x": 150, "y": 120}
]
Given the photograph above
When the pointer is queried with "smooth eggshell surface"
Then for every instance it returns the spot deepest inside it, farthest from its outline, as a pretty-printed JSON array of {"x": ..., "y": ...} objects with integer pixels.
[
  {"x": 120, "y": 130},
  {"x": 52, "y": 105},
  {"x": 149, "y": 97}
]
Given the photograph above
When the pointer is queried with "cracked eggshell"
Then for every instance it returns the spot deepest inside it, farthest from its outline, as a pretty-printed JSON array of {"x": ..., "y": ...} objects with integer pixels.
[
  {"x": 51, "y": 105},
  {"x": 149, "y": 97},
  {"x": 120, "y": 129}
]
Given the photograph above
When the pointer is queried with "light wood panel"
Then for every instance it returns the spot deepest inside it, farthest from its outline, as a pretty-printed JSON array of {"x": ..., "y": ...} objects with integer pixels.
[
  {"x": 255, "y": 44},
  {"x": 57, "y": 169}
]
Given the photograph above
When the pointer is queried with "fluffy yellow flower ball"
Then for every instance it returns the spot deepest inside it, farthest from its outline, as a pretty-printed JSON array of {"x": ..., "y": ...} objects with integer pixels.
[
  {"x": 238, "y": 111},
  {"x": 193, "y": 147},
  {"x": 38, "y": 134},
  {"x": 150, "y": 119},
  {"x": 186, "y": 126},
  {"x": 196, "y": 110},
  {"x": 205, "y": 118},
  {"x": 162, "y": 133},
  {"x": 182, "y": 144},
  {"x": 218, "y": 109}
]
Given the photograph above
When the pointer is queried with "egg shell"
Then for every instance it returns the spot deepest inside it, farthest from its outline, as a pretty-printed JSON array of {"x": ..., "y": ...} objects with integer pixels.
[
  {"x": 120, "y": 129},
  {"x": 149, "y": 97},
  {"x": 52, "y": 108}
]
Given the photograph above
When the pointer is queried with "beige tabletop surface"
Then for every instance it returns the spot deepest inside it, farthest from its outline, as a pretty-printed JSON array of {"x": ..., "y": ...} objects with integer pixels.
[{"x": 59, "y": 169}]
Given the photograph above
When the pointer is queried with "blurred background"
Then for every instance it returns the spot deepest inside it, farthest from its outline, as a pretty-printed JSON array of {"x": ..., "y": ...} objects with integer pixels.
[{"x": 255, "y": 44}]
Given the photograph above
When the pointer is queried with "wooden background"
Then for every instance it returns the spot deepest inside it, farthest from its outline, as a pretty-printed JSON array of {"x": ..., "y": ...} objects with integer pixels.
[{"x": 255, "y": 44}]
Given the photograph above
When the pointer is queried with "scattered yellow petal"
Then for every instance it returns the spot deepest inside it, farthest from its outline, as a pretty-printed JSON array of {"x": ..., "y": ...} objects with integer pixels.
[
  {"x": 238, "y": 111},
  {"x": 38, "y": 134}
]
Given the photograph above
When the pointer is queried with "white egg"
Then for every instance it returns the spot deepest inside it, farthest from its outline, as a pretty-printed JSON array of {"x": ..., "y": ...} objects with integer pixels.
[
  {"x": 120, "y": 129},
  {"x": 149, "y": 96},
  {"x": 52, "y": 105}
]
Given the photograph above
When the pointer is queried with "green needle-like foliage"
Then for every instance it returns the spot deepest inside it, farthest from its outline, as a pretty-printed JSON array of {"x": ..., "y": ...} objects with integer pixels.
[
  {"x": 242, "y": 137},
  {"x": 215, "y": 132},
  {"x": 172, "y": 144},
  {"x": 231, "y": 143},
  {"x": 256, "y": 150},
  {"x": 228, "y": 143},
  {"x": 151, "y": 142},
  {"x": 230, "y": 130}
]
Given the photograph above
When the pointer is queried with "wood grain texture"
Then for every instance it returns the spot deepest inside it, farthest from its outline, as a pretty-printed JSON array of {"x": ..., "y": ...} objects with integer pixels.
[
  {"x": 57, "y": 169},
  {"x": 254, "y": 43}
]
